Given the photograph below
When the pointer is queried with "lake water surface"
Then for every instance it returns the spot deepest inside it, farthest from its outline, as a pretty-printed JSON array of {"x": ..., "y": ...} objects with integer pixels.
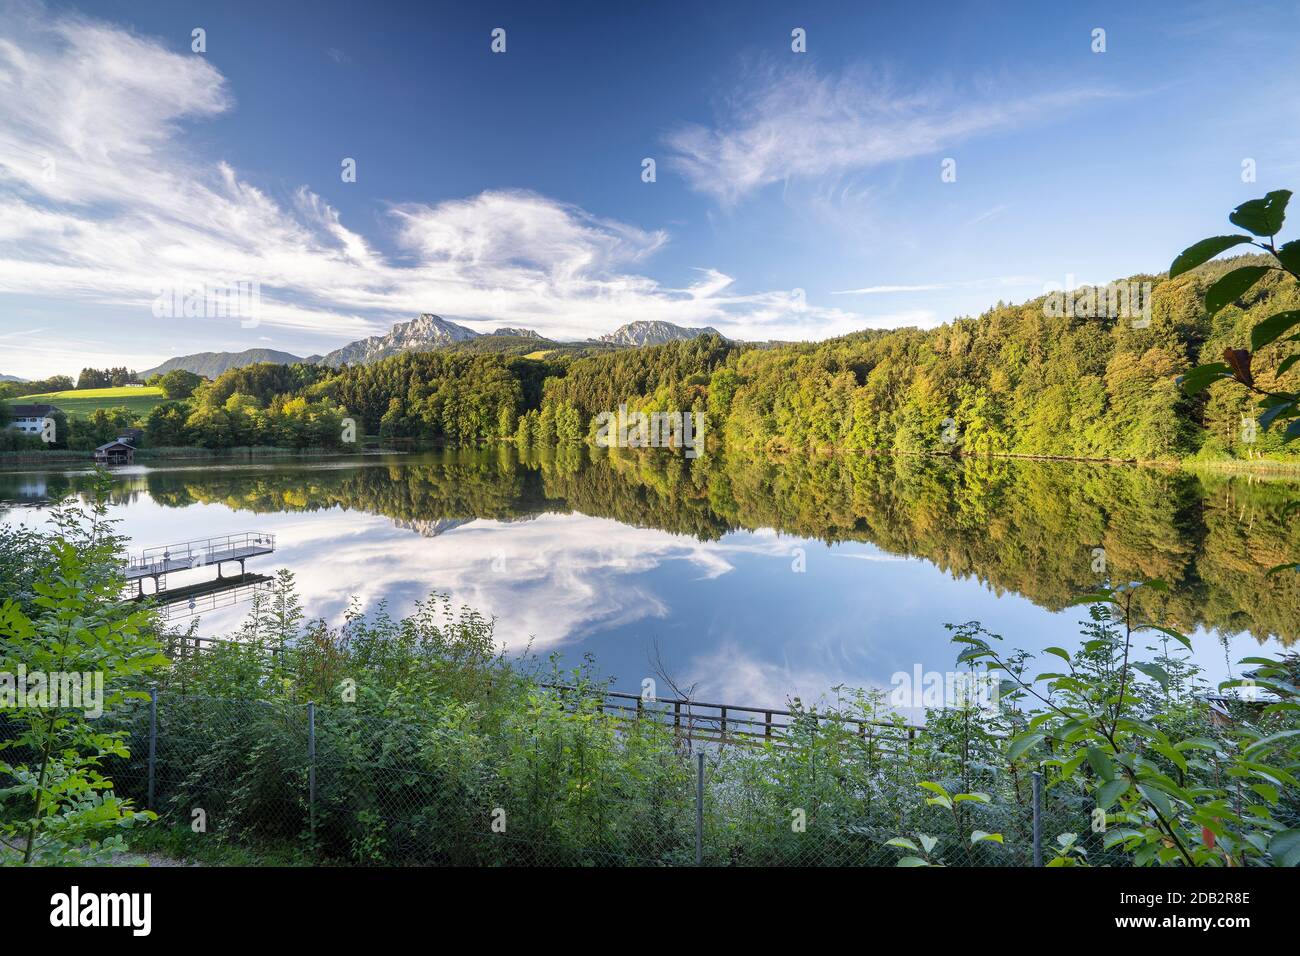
[{"x": 753, "y": 581}]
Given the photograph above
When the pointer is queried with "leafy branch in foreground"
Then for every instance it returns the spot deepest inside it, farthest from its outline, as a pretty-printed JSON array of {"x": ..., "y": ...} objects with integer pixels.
[
  {"x": 923, "y": 855},
  {"x": 1161, "y": 797},
  {"x": 55, "y": 804},
  {"x": 1262, "y": 219}
]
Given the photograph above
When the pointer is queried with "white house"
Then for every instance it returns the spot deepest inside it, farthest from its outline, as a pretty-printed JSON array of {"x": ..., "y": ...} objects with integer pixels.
[{"x": 31, "y": 419}]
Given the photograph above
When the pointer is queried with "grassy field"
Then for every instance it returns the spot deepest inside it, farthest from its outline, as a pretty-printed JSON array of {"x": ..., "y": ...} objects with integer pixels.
[{"x": 79, "y": 403}]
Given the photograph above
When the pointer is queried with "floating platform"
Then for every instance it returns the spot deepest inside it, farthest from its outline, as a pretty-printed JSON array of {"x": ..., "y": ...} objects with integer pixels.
[{"x": 199, "y": 553}]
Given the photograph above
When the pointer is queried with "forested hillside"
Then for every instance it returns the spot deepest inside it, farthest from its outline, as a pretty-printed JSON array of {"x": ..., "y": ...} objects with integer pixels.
[
  {"x": 448, "y": 396},
  {"x": 671, "y": 377},
  {"x": 1025, "y": 379},
  {"x": 1016, "y": 380}
]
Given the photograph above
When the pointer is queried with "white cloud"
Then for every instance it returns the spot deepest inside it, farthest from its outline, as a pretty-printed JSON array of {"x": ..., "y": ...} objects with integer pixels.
[
  {"x": 104, "y": 204},
  {"x": 870, "y": 556},
  {"x": 549, "y": 581},
  {"x": 882, "y": 289},
  {"x": 503, "y": 229},
  {"x": 732, "y": 672},
  {"x": 994, "y": 282},
  {"x": 794, "y": 122}
]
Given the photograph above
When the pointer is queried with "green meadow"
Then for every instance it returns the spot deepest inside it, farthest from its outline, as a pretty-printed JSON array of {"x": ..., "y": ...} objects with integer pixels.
[{"x": 79, "y": 403}]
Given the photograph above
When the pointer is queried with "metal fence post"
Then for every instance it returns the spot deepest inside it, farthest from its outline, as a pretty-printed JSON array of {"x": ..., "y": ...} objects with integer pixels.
[
  {"x": 311, "y": 767},
  {"x": 699, "y": 808},
  {"x": 1038, "y": 817},
  {"x": 153, "y": 740}
]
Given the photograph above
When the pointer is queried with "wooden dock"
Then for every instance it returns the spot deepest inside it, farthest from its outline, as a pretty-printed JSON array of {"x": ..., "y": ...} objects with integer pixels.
[{"x": 157, "y": 562}]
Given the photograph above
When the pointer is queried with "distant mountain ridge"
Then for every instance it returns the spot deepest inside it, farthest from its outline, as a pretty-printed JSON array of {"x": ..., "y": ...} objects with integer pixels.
[
  {"x": 212, "y": 364},
  {"x": 11, "y": 378},
  {"x": 422, "y": 334},
  {"x": 645, "y": 332},
  {"x": 425, "y": 333}
]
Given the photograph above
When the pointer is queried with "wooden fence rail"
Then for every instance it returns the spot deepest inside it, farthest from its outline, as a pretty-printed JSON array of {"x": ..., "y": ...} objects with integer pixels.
[
  {"x": 691, "y": 719},
  {"x": 702, "y": 720}
]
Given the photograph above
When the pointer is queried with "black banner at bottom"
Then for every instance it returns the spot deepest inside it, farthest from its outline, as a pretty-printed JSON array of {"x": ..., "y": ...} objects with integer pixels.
[{"x": 138, "y": 905}]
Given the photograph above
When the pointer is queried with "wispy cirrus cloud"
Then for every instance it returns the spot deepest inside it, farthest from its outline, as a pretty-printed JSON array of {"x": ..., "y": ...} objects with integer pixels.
[
  {"x": 889, "y": 289},
  {"x": 993, "y": 282},
  {"x": 790, "y": 122},
  {"x": 104, "y": 202}
]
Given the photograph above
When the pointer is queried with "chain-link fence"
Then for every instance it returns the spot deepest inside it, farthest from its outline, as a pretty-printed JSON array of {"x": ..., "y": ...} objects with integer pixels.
[{"x": 332, "y": 785}]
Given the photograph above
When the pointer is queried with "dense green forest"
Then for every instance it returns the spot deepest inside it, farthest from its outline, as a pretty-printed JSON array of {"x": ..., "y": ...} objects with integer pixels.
[
  {"x": 1017, "y": 380},
  {"x": 1031, "y": 379}
]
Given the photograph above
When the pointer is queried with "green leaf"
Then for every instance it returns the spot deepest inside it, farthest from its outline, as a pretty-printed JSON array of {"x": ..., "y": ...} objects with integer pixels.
[
  {"x": 1167, "y": 854},
  {"x": 1289, "y": 256},
  {"x": 1270, "y": 740},
  {"x": 1267, "y": 791},
  {"x": 1167, "y": 751},
  {"x": 1113, "y": 837},
  {"x": 1101, "y": 763},
  {"x": 1273, "y": 327},
  {"x": 1285, "y": 848},
  {"x": 1202, "y": 377},
  {"x": 1111, "y": 791},
  {"x": 1197, "y": 743},
  {"x": 1059, "y": 652},
  {"x": 1232, "y": 286},
  {"x": 1287, "y": 362},
  {"x": 1281, "y": 408},
  {"x": 1157, "y": 799},
  {"x": 905, "y": 843},
  {"x": 1141, "y": 727},
  {"x": 1069, "y": 767},
  {"x": 912, "y": 861},
  {"x": 1155, "y": 672},
  {"x": 1203, "y": 252},
  {"x": 1022, "y": 743},
  {"x": 1262, "y": 217},
  {"x": 979, "y": 836},
  {"x": 1097, "y": 597},
  {"x": 1176, "y": 635}
]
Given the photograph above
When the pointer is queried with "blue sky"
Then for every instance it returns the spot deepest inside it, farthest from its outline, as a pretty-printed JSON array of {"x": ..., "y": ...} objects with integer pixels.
[{"x": 506, "y": 189}]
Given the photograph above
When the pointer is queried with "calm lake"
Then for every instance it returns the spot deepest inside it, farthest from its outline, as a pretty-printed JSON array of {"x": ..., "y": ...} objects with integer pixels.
[{"x": 753, "y": 581}]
